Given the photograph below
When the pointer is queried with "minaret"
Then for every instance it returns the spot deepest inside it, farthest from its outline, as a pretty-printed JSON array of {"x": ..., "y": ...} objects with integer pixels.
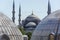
[
  {"x": 13, "y": 12},
  {"x": 49, "y": 7},
  {"x": 19, "y": 15}
]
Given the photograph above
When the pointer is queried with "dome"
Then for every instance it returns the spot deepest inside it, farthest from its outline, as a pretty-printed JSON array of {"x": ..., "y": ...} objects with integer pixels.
[
  {"x": 48, "y": 25},
  {"x": 8, "y": 28},
  {"x": 32, "y": 17},
  {"x": 31, "y": 24}
]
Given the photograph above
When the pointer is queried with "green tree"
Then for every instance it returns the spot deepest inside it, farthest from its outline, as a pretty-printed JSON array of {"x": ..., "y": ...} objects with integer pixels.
[
  {"x": 22, "y": 30},
  {"x": 29, "y": 34}
]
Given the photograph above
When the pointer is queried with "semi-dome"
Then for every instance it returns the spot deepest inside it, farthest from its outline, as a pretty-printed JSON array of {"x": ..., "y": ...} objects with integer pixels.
[
  {"x": 30, "y": 24},
  {"x": 9, "y": 29},
  {"x": 48, "y": 25}
]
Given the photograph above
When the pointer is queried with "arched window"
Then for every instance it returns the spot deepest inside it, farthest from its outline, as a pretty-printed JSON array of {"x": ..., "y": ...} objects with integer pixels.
[
  {"x": 5, "y": 37},
  {"x": 51, "y": 37}
]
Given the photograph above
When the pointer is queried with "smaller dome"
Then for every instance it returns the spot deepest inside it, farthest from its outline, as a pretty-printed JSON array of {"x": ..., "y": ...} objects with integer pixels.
[{"x": 31, "y": 24}]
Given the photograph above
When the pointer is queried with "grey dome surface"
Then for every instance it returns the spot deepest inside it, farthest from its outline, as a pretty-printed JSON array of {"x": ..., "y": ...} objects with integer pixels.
[
  {"x": 32, "y": 17},
  {"x": 31, "y": 24},
  {"x": 48, "y": 25},
  {"x": 9, "y": 28}
]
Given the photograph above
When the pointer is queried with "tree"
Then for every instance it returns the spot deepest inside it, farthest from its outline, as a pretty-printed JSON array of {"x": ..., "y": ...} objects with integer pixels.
[
  {"x": 29, "y": 34},
  {"x": 21, "y": 29}
]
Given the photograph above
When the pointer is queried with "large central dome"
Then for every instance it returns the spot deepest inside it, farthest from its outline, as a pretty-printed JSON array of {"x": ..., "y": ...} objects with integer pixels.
[
  {"x": 32, "y": 17},
  {"x": 31, "y": 22},
  {"x": 48, "y": 26},
  {"x": 8, "y": 29}
]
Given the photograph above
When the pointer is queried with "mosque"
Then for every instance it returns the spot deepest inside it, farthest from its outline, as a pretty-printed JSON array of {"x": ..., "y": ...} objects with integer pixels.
[
  {"x": 29, "y": 24},
  {"x": 46, "y": 29}
]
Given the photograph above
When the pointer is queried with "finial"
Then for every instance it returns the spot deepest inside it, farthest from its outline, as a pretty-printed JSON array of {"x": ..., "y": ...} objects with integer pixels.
[{"x": 32, "y": 12}]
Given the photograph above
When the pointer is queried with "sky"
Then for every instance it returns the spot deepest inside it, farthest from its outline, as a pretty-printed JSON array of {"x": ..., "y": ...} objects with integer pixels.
[{"x": 39, "y": 8}]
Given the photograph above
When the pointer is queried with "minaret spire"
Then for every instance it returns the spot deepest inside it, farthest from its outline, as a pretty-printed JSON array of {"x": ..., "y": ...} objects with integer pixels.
[
  {"x": 49, "y": 7},
  {"x": 13, "y": 12},
  {"x": 19, "y": 14}
]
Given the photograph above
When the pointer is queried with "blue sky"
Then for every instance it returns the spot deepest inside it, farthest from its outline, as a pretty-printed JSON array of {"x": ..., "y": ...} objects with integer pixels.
[{"x": 38, "y": 6}]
